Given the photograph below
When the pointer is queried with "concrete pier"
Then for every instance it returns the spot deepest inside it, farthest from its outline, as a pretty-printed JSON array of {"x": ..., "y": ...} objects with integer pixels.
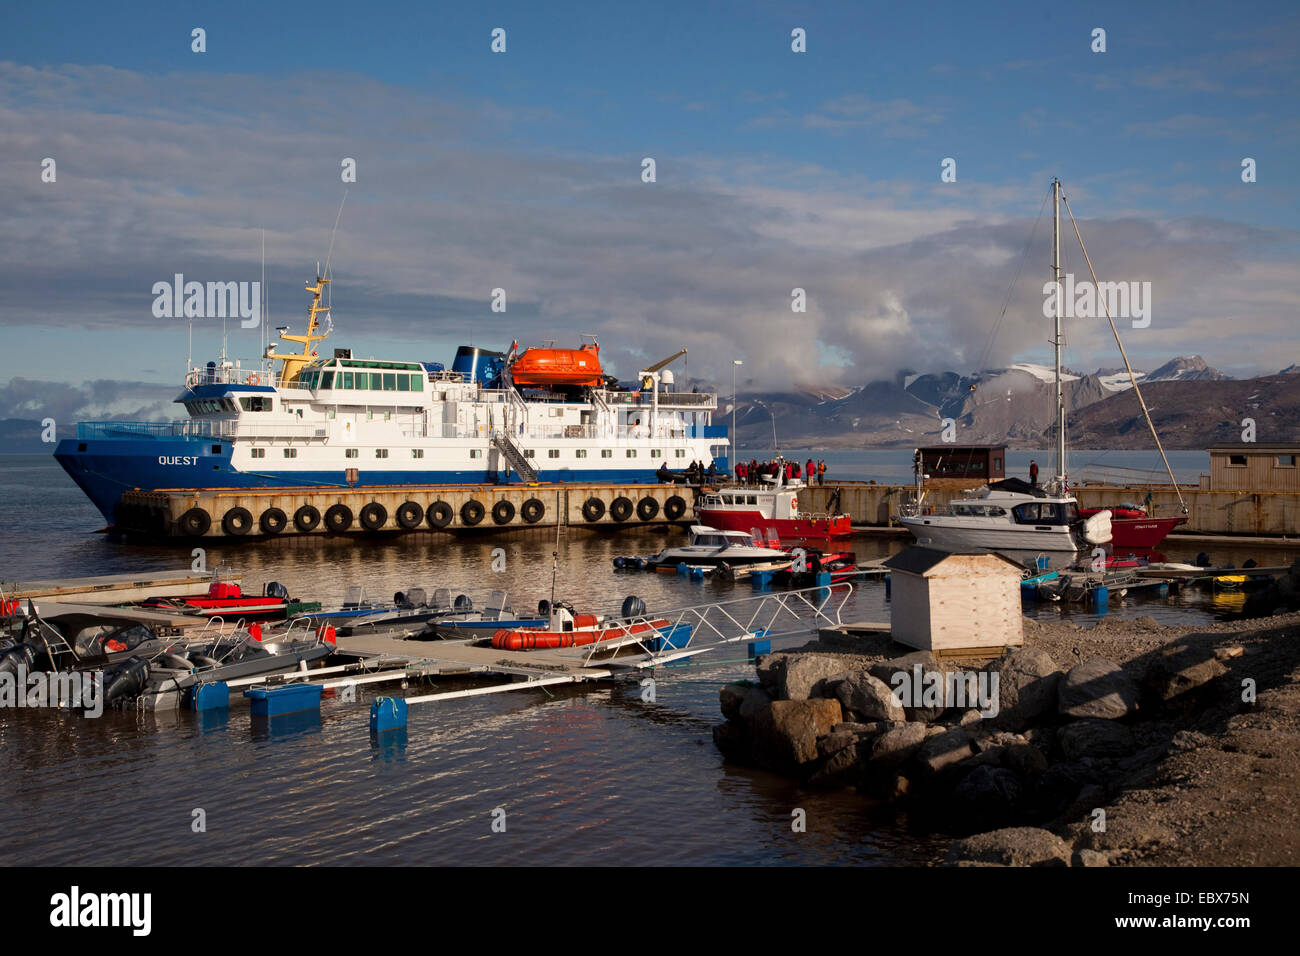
[{"x": 1264, "y": 513}]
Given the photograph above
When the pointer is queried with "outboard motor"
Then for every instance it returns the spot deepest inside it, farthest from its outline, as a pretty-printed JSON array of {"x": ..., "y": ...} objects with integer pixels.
[
  {"x": 400, "y": 599},
  {"x": 544, "y": 608},
  {"x": 633, "y": 606},
  {"x": 19, "y": 655},
  {"x": 277, "y": 590},
  {"x": 417, "y": 597},
  {"x": 1202, "y": 560},
  {"x": 620, "y": 563},
  {"x": 126, "y": 680},
  {"x": 463, "y": 603}
]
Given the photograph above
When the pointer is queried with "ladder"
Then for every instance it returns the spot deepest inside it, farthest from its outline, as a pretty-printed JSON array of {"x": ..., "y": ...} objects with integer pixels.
[{"x": 510, "y": 450}]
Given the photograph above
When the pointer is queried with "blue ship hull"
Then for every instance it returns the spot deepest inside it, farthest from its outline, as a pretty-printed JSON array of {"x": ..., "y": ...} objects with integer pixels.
[{"x": 105, "y": 468}]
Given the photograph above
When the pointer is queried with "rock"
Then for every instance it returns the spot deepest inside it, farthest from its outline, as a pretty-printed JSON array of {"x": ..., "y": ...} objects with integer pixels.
[
  {"x": 1189, "y": 740},
  {"x": 970, "y": 718},
  {"x": 884, "y": 671},
  {"x": 873, "y": 729},
  {"x": 1091, "y": 858},
  {"x": 843, "y": 769},
  {"x": 1228, "y": 653},
  {"x": 923, "y": 697},
  {"x": 836, "y": 741},
  {"x": 945, "y": 749},
  {"x": 988, "y": 793},
  {"x": 866, "y": 697},
  {"x": 1096, "y": 738},
  {"x": 1097, "y": 688},
  {"x": 1025, "y": 759},
  {"x": 754, "y": 704},
  {"x": 770, "y": 668},
  {"x": 732, "y": 740},
  {"x": 1180, "y": 669},
  {"x": 896, "y": 745},
  {"x": 730, "y": 696},
  {"x": 899, "y": 787},
  {"x": 787, "y": 740},
  {"x": 806, "y": 675},
  {"x": 1014, "y": 846},
  {"x": 1027, "y": 687}
]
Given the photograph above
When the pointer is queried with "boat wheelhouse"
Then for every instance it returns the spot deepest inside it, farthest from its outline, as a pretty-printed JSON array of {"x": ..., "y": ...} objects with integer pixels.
[
  {"x": 772, "y": 505},
  {"x": 344, "y": 421}
]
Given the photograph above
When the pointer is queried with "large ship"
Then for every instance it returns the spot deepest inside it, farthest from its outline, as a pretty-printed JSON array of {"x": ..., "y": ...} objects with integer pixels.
[{"x": 300, "y": 419}]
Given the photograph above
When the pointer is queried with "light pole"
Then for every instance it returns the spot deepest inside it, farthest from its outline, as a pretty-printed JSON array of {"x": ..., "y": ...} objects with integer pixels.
[{"x": 735, "y": 363}]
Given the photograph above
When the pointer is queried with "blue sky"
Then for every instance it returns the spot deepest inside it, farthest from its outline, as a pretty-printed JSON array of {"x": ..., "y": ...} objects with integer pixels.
[{"x": 522, "y": 170}]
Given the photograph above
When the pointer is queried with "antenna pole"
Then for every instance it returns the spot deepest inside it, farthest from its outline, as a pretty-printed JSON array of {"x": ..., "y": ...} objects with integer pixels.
[{"x": 1060, "y": 292}]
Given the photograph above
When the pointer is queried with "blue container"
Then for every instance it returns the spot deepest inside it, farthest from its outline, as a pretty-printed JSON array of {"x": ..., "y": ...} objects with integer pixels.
[
  {"x": 761, "y": 580},
  {"x": 697, "y": 574},
  {"x": 211, "y": 696},
  {"x": 1101, "y": 595},
  {"x": 673, "y": 640},
  {"x": 683, "y": 569},
  {"x": 1163, "y": 590},
  {"x": 387, "y": 713},
  {"x": 1042, "y": 561},
  {"x": 289, "y": 699},
  {"x": 754, "y": 648},
  {"x": 823, "y": 579}
]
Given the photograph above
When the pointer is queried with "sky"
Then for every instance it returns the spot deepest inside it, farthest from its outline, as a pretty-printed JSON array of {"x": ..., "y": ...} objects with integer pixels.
[{"x": 522, "y": 170}]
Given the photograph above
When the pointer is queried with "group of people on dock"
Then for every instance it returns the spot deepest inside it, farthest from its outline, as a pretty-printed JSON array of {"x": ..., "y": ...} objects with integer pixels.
[
  {"x": 696, "y": 472},
  {"x": 755, "y": 471}
]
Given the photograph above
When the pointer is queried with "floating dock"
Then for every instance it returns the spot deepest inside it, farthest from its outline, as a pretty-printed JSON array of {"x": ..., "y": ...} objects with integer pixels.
[
  {"x": 112, "y": 588},
  {"x": 274, "y": 512}
]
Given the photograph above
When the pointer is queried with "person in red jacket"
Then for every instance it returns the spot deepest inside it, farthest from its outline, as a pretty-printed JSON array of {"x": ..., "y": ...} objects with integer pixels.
[{"x": 809, "y": 470}]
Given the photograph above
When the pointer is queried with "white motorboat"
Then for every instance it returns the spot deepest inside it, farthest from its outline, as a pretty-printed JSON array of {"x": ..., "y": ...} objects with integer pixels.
[{"x": 712, "y": 547}]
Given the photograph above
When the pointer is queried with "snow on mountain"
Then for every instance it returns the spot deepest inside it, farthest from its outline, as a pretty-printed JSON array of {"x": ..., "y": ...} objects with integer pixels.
[{"x": 1042, "y": 372}]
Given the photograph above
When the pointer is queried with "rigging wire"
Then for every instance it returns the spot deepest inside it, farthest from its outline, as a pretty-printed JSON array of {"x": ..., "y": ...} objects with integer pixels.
[{"x": 1124, "y": 355}]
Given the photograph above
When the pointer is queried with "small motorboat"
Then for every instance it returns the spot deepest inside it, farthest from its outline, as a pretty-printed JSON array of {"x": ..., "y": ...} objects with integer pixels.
[
  {"x": 840, "y": 565},
  {"x": 227, "y": 599},
  {"x": 565, "y": 627},
  {"x": 711, "y": 548}
]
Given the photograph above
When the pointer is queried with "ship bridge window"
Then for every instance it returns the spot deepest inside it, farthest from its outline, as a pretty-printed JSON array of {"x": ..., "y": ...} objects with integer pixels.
[
  {"x": 580, "y": 453},
  {"x": 255, "y": 403},
  {"x": 327, "y": 380},
  {"x": 347, "y": 379},
  {"x": 390, "y": 382}
]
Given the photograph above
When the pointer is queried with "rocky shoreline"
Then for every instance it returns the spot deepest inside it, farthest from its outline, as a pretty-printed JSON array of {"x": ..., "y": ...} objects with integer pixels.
[{"x": 1124, "y": 743}]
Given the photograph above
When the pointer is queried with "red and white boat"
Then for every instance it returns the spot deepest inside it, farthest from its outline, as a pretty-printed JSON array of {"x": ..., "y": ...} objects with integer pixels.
[
  {"x": 227, "y": 599},
  {"x": 773, "y": 505},
  {"x": 568, "y": 629},
  {"x": 1132, "y": 529}
]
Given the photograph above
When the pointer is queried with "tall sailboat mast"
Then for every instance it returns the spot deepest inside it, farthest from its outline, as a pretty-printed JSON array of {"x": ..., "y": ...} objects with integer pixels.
[{"x": 1060, "y": 292}]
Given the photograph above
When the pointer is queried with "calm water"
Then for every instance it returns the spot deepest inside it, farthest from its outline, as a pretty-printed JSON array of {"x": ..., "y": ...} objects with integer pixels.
[{"x": 585, "y": 775}]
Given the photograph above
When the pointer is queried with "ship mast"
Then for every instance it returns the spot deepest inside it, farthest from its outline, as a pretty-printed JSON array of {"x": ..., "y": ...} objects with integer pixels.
[
  {"x": 293, "y": 362},
  {"x": 1061, "y": 474}
]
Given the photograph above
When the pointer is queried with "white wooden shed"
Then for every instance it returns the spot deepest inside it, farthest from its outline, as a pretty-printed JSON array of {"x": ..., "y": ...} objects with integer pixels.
[{"x": 943, "y": 601}]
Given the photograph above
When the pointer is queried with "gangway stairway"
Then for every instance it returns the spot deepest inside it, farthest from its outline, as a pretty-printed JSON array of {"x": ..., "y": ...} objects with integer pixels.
[{"x": 512, "y": 453}]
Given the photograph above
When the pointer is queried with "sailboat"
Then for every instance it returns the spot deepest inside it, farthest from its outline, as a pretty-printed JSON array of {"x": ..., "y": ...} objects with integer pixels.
[{"x": 1014, "y": 517}]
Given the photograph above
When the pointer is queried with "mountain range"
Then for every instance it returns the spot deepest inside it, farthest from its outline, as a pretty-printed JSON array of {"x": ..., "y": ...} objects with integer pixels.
[{"x": 1193, "y": 405}]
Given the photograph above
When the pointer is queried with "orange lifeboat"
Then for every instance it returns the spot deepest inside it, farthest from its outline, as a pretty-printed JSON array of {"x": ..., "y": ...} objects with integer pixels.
[
  {"x": 585, "y": 631},
  {"x": 580, "y": 366}
]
